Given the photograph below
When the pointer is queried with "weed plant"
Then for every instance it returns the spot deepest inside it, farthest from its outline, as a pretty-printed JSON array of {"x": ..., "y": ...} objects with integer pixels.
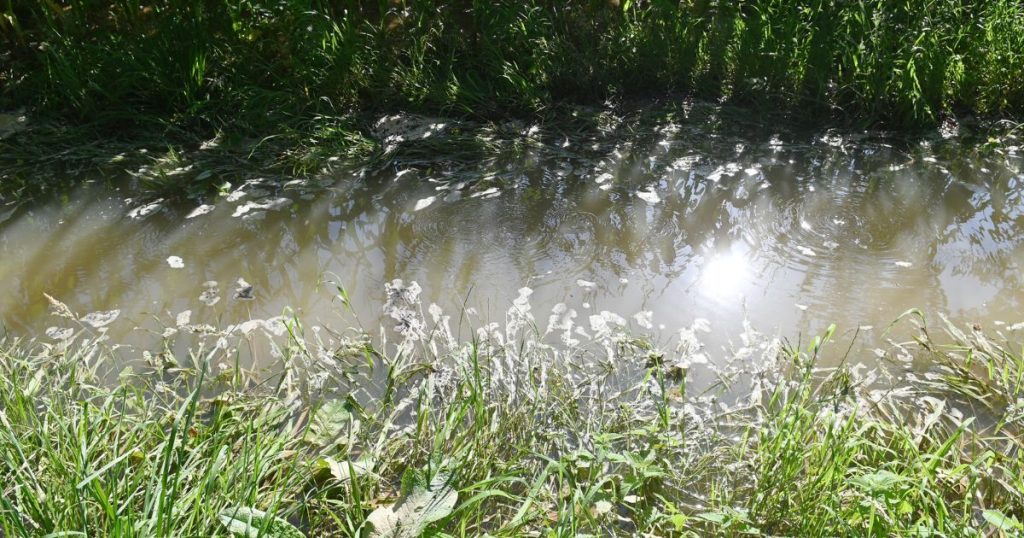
[{"x": 514, "y": 431}]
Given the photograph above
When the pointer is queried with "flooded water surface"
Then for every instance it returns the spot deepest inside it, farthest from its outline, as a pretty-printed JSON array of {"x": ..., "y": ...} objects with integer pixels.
[{"x": 691, "y": 219}]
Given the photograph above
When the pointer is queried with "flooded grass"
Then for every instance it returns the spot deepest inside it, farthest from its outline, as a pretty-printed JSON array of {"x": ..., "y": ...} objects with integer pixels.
[
  {"x": 49, "y": 160},
  {"x": 505, "y": 434}
]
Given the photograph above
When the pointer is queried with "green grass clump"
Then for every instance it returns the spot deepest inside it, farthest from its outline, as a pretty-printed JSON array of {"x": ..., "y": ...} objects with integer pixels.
[
  {"x": 259, "y": 64},
  {"x": 501, "y": 434}
]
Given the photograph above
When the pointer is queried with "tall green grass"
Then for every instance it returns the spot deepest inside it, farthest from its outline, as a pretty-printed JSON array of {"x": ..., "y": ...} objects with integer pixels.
[
  {"x": 505, "y": 435},
  {"x": 260, "y": 63},
  {"x": 290, "y": 84}
]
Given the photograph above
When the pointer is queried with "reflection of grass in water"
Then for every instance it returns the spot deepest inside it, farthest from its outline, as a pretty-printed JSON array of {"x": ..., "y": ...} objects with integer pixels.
[
  {"x": 171, "y": 162},
  {"x": 530, "y": 442},
  {"x": 167, "y": 161}
]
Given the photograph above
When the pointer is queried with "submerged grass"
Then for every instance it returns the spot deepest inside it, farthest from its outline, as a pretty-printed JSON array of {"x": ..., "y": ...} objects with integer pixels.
[{"x": 506, "y": 435}]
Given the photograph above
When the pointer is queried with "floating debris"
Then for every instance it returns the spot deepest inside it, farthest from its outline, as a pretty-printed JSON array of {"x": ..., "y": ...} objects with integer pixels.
[
  {"x": 199, "y": 211},
  {"x": 262, "y": 205},
  {"x": 244, "y": 290},
  {"x": 393, "y": 130},
  {"x": 489, "y": 193},
  {"x": 101, "y": 318},
  {"x": 424, "y": 203},
  {"x": 58, "y": 333},
  {"x": 175, "y": 262},
  {"x": 902, "y": 264},
  {"x": 236, "y": 195},
  {"x": 183, "y": 318},
  {"x": 586, "y": 284},
  {"x": 211, "y": 295},
  {"x": 144, "y": 211},
  {"x": 644, "y": 319},
  {"x": 649, "y": 196},
  {"x": 606, "y": 324},
  {"x": 274, "y": 326}
]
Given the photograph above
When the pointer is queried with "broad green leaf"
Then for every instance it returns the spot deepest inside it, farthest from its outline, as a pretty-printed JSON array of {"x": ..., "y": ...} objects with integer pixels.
[
  {"x": 877, "y": 482},
  {"x": 409, "y": 517},
  {"x": 1002, "y": 521},
  {"x": 340, "y": 471},
  {"x": 252, "y": 523},
  {"x": 332, "y": 423}
]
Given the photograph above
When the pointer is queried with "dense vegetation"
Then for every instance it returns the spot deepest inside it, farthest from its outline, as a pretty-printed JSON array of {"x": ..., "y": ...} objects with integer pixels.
[
  {"x": 294, "y": 83},
  {"x": 261, "y": 63},
  {"x": 503, "y": 434}
]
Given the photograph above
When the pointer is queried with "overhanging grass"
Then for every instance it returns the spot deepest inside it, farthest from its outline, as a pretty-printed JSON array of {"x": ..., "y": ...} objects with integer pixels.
[{"x": 529, "y": 438}]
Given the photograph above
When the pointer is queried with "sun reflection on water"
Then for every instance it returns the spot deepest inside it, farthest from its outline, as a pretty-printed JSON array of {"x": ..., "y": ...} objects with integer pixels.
[{"x": 724, "y": 275}]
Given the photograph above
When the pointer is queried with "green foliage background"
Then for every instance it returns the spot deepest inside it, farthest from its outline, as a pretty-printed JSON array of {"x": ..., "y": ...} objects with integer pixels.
[{"x": 260, "y": 63}]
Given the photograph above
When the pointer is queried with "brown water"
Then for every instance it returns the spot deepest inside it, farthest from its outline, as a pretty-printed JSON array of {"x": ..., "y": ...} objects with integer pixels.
[{"x": 791, "y": 230}]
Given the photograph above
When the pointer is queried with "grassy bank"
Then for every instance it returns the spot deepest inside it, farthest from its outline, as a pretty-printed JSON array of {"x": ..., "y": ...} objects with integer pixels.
[
  {"x": 291, "y": 84},
  {"x": 507, "y": 435},
  {"x": 261, "y": 63}
]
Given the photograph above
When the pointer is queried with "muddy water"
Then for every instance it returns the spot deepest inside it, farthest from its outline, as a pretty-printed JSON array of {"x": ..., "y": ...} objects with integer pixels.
[{"x": 789, "y": 230}]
